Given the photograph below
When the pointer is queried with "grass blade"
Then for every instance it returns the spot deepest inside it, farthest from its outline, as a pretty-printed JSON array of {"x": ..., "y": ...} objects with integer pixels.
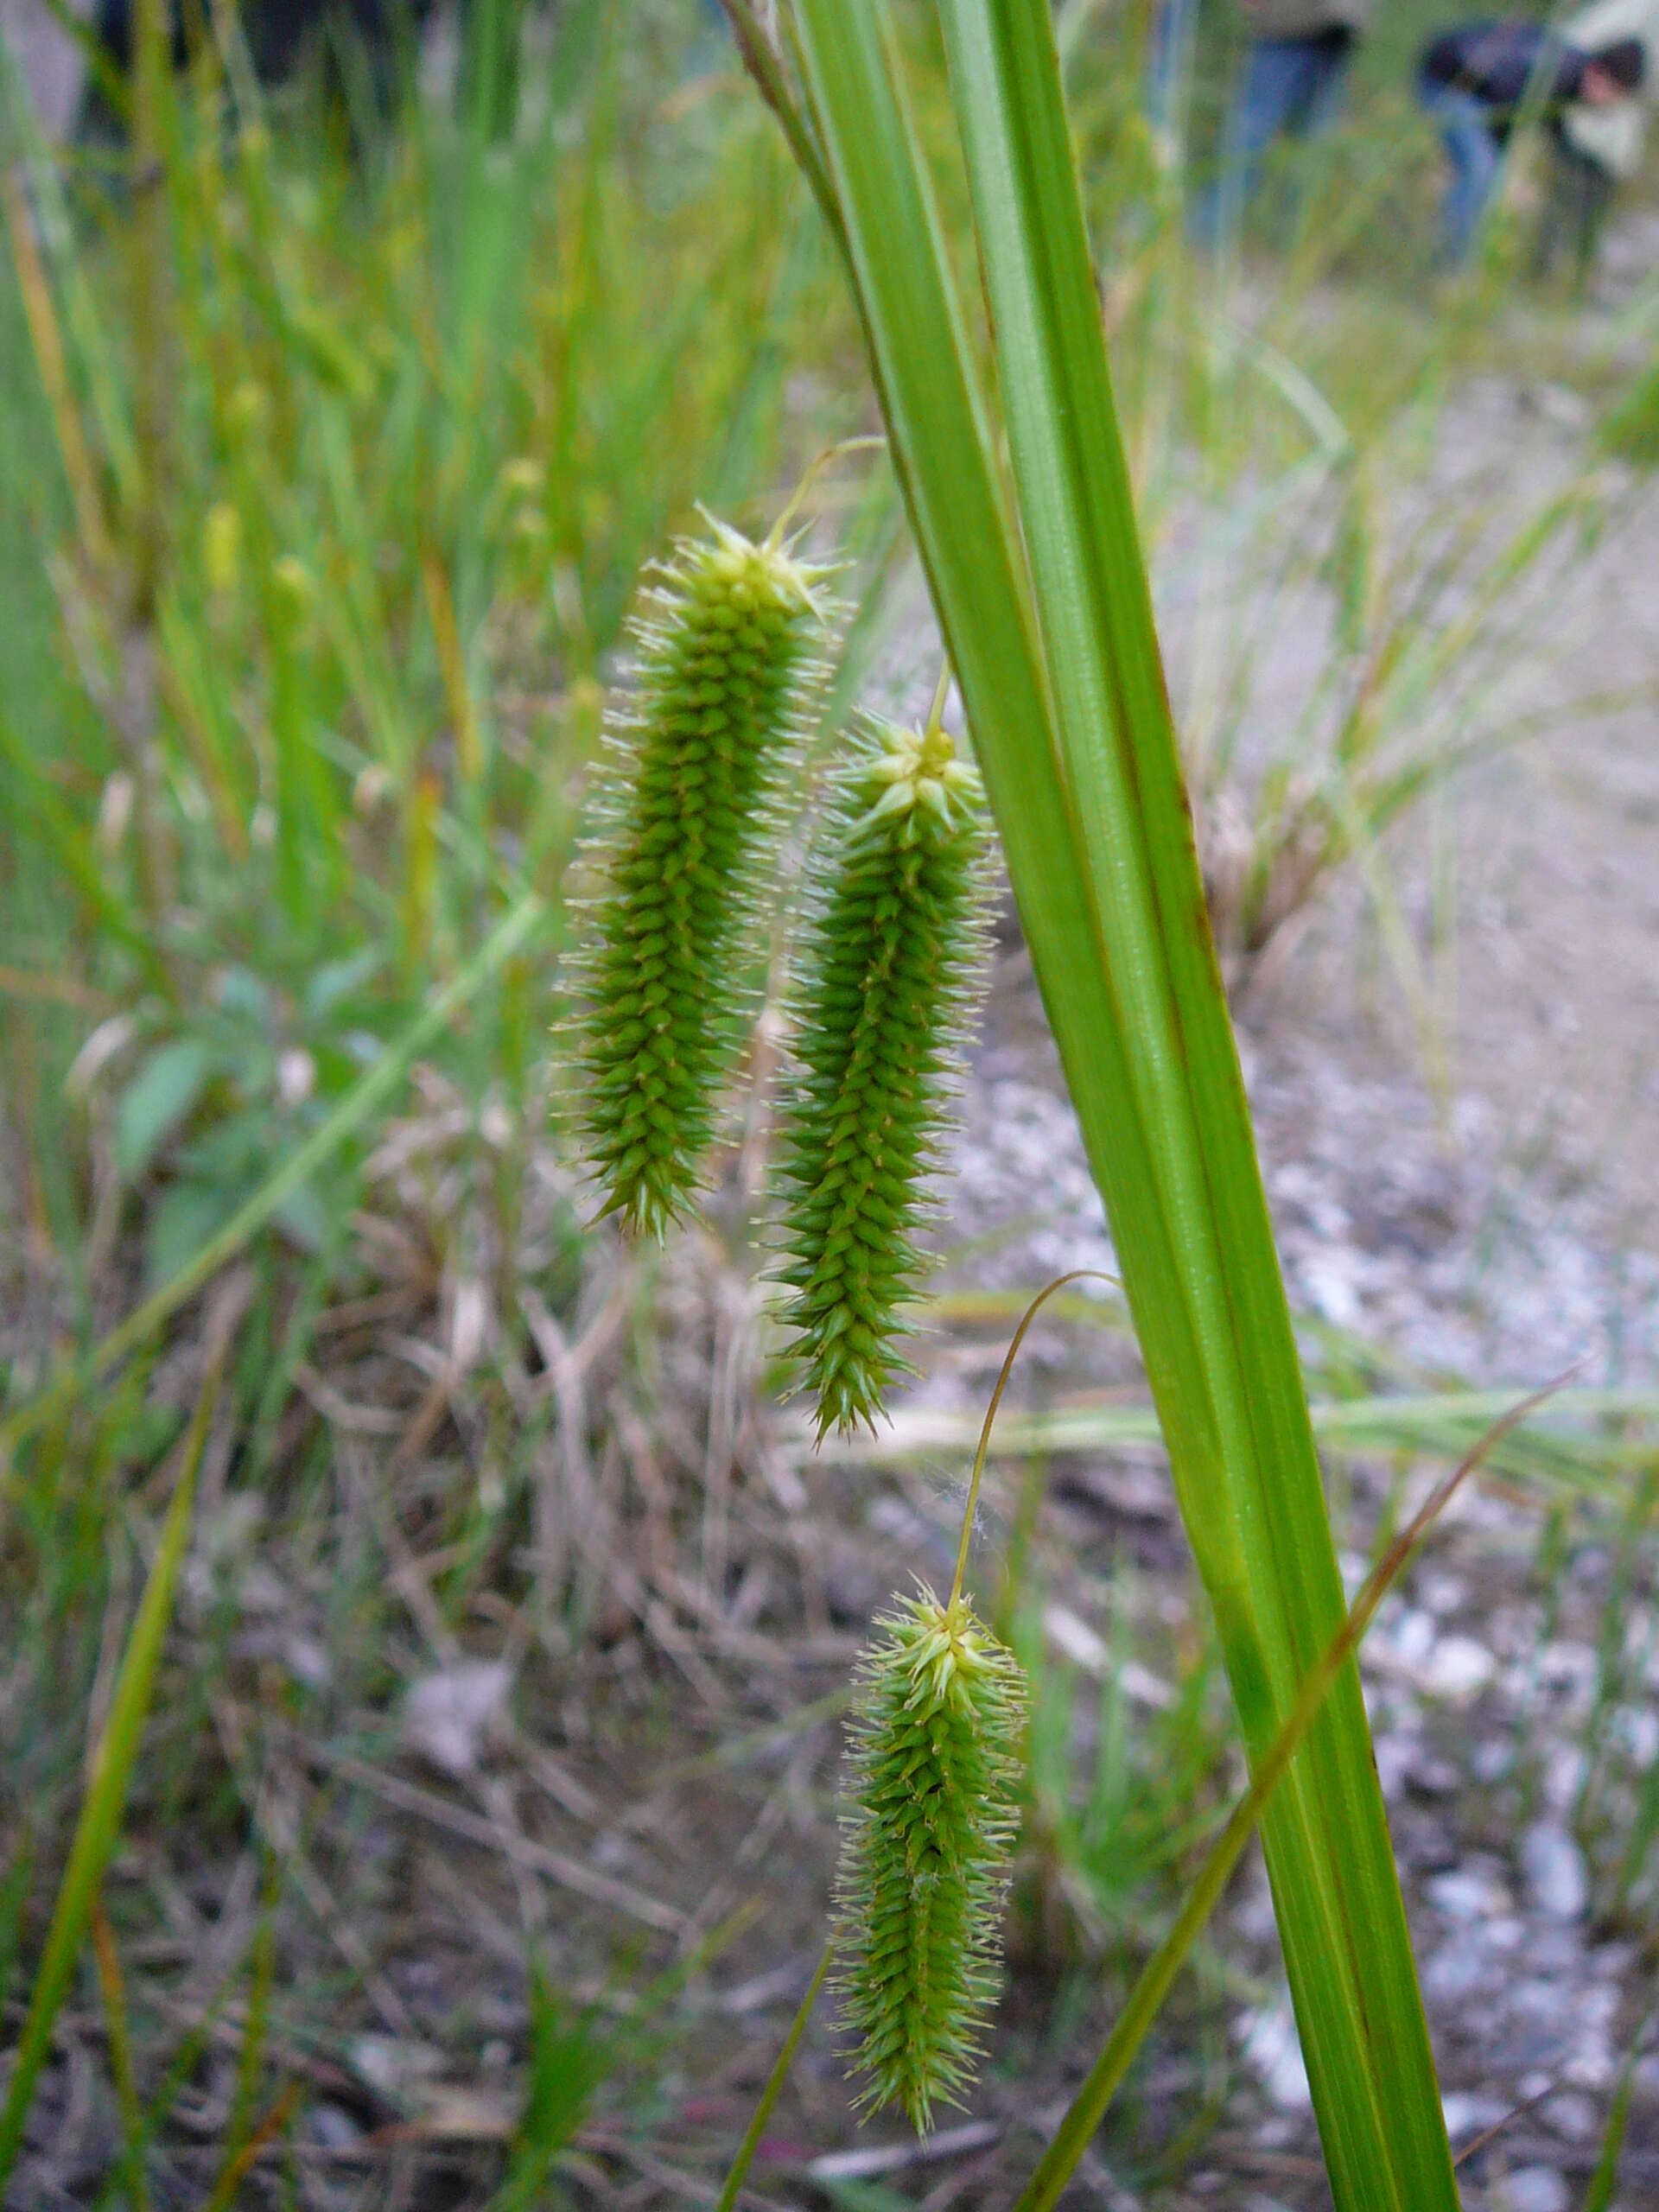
[
  {"x": 118, "y": 2032},
  {"x": 112, "y": 1768},
  {"x": 774, "y": 2085},
  {"x": 1437, "y": 1424}
]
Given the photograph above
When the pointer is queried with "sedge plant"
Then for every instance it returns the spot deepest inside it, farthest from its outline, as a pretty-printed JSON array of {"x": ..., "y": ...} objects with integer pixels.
[
  {"x": 1040, "y": 587},
  {"x": 706, "y": 755}
]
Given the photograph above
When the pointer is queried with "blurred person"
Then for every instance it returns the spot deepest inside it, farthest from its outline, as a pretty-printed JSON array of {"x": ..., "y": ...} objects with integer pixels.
[
  {"x": 1293, "y": 85},
  {"x": 1598, "y": 144},
  {"x": 1477, "y": 79}
]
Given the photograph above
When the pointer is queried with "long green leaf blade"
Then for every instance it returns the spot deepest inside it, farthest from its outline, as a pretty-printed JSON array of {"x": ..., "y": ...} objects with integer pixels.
[
  {"x": 1106, "y": 2077},
  {"x": 106, "y": 1792}
]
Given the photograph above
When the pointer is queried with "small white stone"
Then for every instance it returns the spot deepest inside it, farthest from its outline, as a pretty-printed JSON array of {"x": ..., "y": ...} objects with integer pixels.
[
  {"x": 1395, "y": 1754},
  {"x": 1553, "y": 1867},
  {"x": 1467, "y": 1893},
  {"x": 1492, "y": 1760},
  {"x": 447, "y": 1716},
  {"x": 1457, "y": 1669},
  {"x": 1271, "y": 2050},
  {"x": 1468, "y": 2114},
  {"x": 1533, "y": 2189},
  {"x": 1637, "y": 1729},
  {"x": 1442, "y": 1594},
  {"x": 1456, "y": 1971},
  {"x": 1573, "y": 2116},
  {"x": 1564, "y": 1774},
  {"x": 1413, "y": 1638},
  {"x": 296, "y": 1076},
  {"x": 1331, "y": 1290}
]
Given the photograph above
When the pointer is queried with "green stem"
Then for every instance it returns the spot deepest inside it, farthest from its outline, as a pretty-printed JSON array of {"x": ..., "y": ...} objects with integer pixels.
[
  {"x": 1060, "y": 1282},
  {"x": 775, "y": 2079},
  {"x": 99, "y": 1825},
  {"x": 810, "y": 476}
]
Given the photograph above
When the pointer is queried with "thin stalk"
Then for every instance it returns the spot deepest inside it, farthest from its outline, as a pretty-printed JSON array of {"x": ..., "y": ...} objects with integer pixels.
[
  {"x": 764, "y": 67},
  {"x": 112, "y": 1989},
  {"x": 809, "y": 475},
  {"x": 106, "y": 1789},
  {"x": 240, "y": 2164},
  {"x": 52, "y": 368},
  {"x": 151, "y": 88},
  {"x": 773, "y": 2090},
  {"x": 1060, "y": 1283}
]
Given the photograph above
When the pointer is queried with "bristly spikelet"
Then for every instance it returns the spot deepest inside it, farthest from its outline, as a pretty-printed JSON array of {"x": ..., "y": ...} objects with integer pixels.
[
  {"x": 893, "y": 949},
  {"x": 730, "y": 664},
  {"x": 935, "y": 1773}
]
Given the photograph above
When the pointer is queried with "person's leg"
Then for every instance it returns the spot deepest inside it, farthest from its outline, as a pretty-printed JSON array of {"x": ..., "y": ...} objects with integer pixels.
[
  {"x": 1599, "y": 187},
  {"x": 1475, "y": 157},
  {"x": 1270, "y": 87},
  {"x": 1582, "y": 193},
  {"x": 1323, "y": 91}
]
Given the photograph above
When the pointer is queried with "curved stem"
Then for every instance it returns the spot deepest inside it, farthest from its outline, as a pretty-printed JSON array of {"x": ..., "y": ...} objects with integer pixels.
[
  {"x": 941, "y": 693},
  {"x": 866, "y": 443},
  {"x": 775, "y": 2079},
  {"x": 1060, "y": 1282}
]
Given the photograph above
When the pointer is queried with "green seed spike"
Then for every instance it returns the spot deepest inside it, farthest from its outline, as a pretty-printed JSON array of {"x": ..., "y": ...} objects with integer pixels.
[
  {"x": 936, "y": 1771},
  {"x": 730, "y": 666},
  {"x": 893, "y": 949}
]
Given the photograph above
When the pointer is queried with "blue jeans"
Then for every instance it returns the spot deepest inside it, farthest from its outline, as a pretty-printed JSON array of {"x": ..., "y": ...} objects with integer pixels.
[
  {"x": 1475, "y": 156},
  {"x": 1290, "y": 87}
]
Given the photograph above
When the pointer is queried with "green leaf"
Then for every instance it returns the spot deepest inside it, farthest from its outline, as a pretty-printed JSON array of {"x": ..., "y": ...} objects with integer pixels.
[
  {"x": 158, "y": 1100},
  {"x": 181, "y": 1221}
]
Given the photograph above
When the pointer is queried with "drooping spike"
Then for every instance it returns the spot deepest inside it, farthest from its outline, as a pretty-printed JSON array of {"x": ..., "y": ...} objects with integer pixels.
[
  {"x": 935, "y": 1774},
  {"x": 730, "y": 666},
  {"x": 895, "y": 947}
]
